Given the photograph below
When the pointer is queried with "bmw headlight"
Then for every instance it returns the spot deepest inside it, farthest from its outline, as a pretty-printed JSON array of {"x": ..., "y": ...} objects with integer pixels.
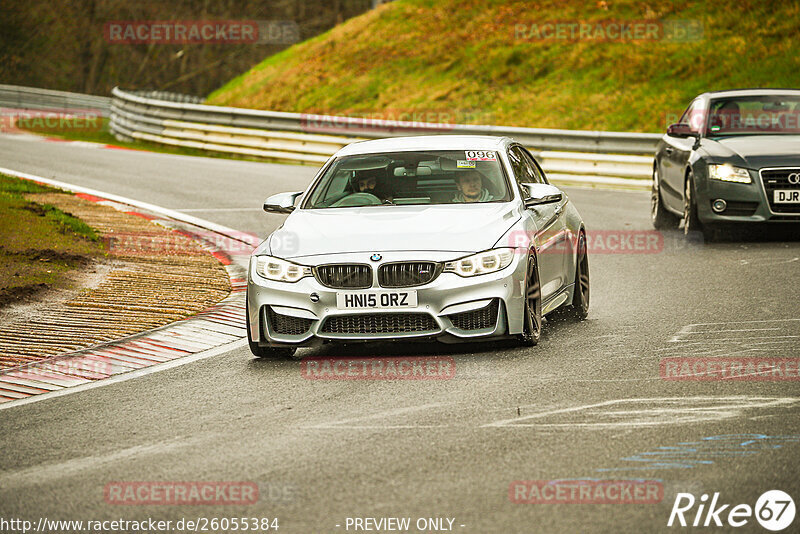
[
  {"x": 280, "y": 270},
  {"x": 486, "y": 262},
  {"x": 729, "y": 173}
]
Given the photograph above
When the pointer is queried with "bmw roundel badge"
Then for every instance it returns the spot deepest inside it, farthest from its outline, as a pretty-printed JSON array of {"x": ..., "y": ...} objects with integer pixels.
[{"x": 376, "y": 257}]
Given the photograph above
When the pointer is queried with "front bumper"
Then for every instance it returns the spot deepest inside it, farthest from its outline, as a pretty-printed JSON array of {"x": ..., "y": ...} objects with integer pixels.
[
  {"x": 450, "y": 308},
  {"x": 746, "y": 203}
]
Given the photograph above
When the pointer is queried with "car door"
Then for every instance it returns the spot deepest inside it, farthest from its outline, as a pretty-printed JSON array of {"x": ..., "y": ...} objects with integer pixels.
[
  {"x": 675, "y": 155},
  {"x": 550, "y": 240}
]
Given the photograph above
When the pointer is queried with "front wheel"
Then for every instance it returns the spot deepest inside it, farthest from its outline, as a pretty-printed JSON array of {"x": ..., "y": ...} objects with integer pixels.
[
  {"x": 691, "y": 222},
  {"x": 266, "y": 352},
  {"x": 532, "y": 325},
  {"x": 660, "y": 217},
  {"x": 579, "y": 308}
]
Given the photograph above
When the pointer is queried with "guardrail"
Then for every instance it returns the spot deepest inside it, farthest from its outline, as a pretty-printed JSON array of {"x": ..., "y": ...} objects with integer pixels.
[
  {"x": 567, "y": 155},
  {"x": 32, "y": 98},
  {"x": 591, "y": 157}
]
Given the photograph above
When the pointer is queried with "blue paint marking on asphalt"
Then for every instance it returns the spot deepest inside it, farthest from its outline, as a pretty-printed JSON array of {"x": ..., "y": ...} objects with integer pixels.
[{"x": 688, "y": 455}]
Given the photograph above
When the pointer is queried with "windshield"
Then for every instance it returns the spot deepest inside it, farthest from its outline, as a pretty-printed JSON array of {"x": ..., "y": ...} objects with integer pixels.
[
  {"x": 773, "y": 114},
  {"x": 409, "y": 178}
]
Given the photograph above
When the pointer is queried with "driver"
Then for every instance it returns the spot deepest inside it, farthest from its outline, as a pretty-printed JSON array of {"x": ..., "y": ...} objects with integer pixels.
[
  {"x": 470, "y": 188},
  {"x": 367, "y": 182},
  {"x": 729, "y": 115}
]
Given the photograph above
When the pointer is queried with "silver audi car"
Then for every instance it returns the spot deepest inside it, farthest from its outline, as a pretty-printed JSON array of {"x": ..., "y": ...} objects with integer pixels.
[{"x": 453, "y": 238}]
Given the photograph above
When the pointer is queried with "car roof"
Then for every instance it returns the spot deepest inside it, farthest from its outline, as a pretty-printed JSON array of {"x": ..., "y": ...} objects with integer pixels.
[
  {"x": 750, "y": 92},
  {"x": 426, "y": 142}
]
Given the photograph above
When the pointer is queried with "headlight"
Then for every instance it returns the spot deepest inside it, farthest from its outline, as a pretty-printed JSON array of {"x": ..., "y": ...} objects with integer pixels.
[
  {"x": 481, "y": 263},
  {"x": 280, "y": 270},
  {"x": 729, "y": 173}
]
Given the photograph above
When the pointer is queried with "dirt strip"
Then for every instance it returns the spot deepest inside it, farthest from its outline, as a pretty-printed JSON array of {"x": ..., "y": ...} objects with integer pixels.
[{"x": 157, "y": 276}]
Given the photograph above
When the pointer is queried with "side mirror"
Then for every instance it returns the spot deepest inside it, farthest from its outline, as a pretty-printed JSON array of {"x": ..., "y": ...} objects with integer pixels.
[
  {"x": 680, "y": 130},
  {"x": 282, "y": 202},
  {"x": 539, "y": 194}
]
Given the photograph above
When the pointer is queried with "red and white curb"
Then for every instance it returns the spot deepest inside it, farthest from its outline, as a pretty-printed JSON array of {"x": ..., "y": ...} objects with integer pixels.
[
  {"x": 8, "y": 127},
  {"x": 206, "y": 334}
]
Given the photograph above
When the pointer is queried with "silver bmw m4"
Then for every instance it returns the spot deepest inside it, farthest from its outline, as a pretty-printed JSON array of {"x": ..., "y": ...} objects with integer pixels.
[{"x": 454, "y": 238}]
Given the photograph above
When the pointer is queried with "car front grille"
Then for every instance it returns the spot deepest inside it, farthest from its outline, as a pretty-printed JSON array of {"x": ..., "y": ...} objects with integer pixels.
[
  {"x": 779, "y": 179},
  {"x": 345, "y": 275},
  {"x": 740, "y": 209},
  {"x": 407, "y": 274},
  {"x": 286, "y": 324},
  {"x": 479, "y": 319},
  {"x": 380, "y": 323}
]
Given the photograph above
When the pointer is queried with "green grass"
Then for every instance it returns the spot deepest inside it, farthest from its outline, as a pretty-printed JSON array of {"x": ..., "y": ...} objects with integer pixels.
[
  {"x": 465, "y": 58},
  {"x": 39, "y": 244},
  {"x": 99, "y": 134},
  {"x": 10, "y": 186}
]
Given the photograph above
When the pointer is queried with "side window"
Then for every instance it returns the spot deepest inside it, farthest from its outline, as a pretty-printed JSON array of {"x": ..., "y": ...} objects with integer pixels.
[
  {"x": 694, "y": 116},
  {"x": 517, "y": 165},
  {"x": 526, "y": 173},
  {"x": 685, "y": 117},
  {"x": 525, "y": 168},
  {"x": 533, "y": 166}
]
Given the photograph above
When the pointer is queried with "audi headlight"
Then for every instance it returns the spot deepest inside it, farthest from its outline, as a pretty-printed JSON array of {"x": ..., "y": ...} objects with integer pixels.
[
  {"x": 729, "y": 173},
  {"x": 280, "y": 270},
  {"x": 487, "y": 262}
]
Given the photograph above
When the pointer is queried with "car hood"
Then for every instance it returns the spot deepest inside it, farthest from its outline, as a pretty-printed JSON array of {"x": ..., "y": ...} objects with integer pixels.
[
  {"x": 755, "y": 151},
  {"x": 454, "y": 228}
]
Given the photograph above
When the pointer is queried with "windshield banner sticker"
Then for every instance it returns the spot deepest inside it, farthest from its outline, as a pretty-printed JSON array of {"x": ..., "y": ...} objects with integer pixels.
[{"x": 480, "y": 155}]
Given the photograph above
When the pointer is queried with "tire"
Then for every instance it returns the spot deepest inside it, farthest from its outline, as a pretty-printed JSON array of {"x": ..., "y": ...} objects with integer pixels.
[
  {"x": 660, "y": 217},
  {"x": 267, "y": 352},
  {"x": 579, "y": 308},
  {"x": 532, "y": 322},
  {"x": 691, "y": 222}
]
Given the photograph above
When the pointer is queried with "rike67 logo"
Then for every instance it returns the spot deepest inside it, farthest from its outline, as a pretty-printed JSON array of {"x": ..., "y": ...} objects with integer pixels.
[{"x": 774, "y": 510}]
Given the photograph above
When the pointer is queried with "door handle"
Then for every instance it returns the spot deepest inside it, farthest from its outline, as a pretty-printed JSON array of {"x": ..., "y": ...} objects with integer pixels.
[{"x": 669, "y": 150}]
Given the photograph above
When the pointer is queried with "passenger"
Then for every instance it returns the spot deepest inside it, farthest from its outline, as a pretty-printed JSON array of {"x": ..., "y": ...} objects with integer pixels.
[{"x": 470, "y": 188}]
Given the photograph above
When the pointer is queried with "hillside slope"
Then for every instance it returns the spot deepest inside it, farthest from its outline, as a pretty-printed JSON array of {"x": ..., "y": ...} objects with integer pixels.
[{"x": 479, "y": 62}]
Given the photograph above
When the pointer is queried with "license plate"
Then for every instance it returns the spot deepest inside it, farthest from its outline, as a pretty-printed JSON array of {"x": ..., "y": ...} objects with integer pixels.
[
  {"x": 786, "y": 196},
  {"x": 367, "y": 300}
]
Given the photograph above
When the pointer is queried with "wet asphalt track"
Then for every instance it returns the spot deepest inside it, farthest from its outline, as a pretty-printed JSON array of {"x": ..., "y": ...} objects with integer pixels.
[{"x": 588, "y": 402}]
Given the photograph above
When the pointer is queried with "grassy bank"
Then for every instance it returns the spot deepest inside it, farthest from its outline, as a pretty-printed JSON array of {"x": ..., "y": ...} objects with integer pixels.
[
  {"x": 39, "y": 244},
  {"x": 480, "y": 62}
]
